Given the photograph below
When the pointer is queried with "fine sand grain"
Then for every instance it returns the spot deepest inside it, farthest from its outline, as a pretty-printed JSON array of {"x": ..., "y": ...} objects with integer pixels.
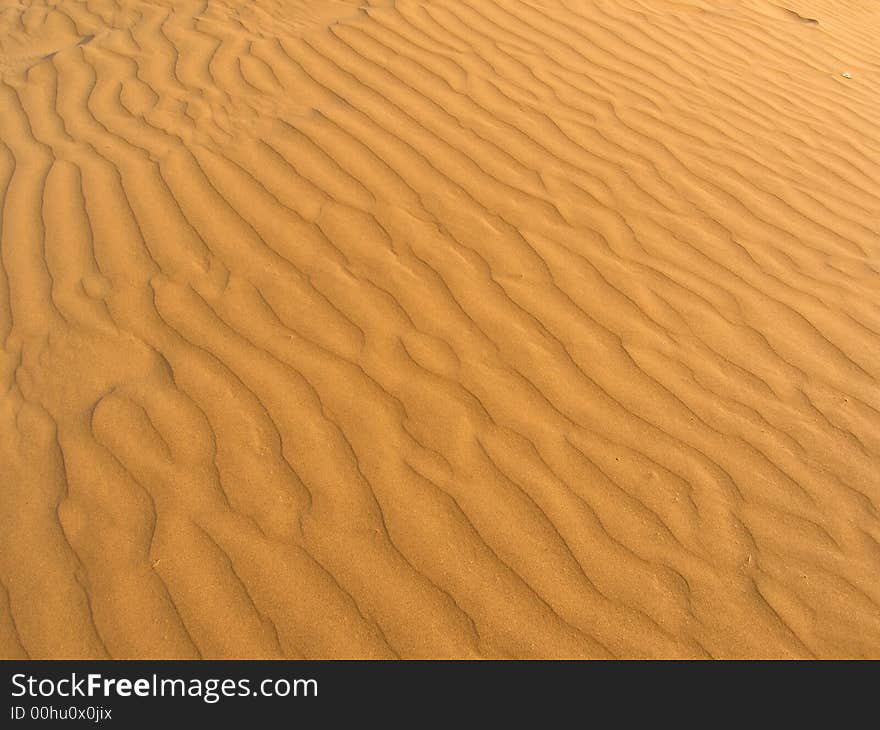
[{"x": 439, "y": 328}]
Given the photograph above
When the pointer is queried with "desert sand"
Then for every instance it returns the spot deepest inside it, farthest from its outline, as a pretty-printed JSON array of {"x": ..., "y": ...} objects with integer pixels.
[{"x": 439, "y": 328}]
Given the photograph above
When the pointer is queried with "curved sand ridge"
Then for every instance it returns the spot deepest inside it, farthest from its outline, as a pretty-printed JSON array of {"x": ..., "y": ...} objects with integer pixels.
[{"x": 513, "y": 328}]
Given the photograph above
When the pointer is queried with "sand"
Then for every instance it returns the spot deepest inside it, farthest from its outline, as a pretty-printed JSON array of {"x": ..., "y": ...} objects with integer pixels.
[{"x": 439, "y": 328}]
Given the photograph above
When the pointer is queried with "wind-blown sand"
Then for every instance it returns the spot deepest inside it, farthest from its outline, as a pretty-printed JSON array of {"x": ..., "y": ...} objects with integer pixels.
[{"x": 439, "y": 328}]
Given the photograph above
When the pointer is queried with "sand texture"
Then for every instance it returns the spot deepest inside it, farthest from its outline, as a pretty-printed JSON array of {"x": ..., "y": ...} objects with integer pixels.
[{"x": 439, "y": 328}]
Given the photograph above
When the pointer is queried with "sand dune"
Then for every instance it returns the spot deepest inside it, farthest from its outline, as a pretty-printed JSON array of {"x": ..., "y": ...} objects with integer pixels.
[{"x": 439, "y": 328}]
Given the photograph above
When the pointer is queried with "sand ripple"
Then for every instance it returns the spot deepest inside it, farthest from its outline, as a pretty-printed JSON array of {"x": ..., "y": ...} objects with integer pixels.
[{"x": 426, "y": 328}]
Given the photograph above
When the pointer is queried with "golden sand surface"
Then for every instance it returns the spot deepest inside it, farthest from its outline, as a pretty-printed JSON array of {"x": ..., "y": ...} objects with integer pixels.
[{"x": 439, "y": 328}]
